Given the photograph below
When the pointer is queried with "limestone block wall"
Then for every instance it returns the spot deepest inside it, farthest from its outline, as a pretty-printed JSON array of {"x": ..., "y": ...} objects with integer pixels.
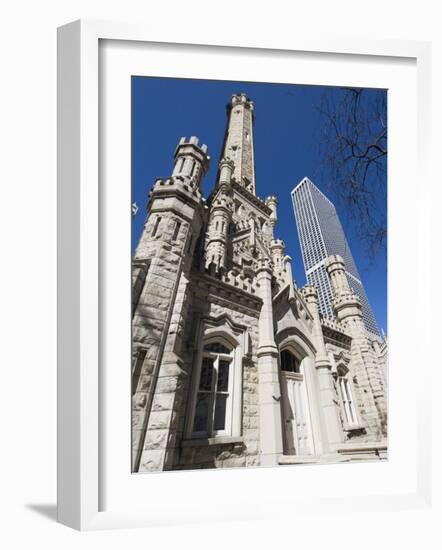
[
  {"x": 149, "y": 328},
  {"x": 372, "y": 373}
]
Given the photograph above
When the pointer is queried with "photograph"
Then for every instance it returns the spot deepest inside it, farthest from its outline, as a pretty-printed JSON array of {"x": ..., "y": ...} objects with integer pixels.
[{"x": 259, "y": 274}]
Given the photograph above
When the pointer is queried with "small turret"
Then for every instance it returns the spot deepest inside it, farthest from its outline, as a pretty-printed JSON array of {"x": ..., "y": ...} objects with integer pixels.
[
  {"x": 277, "y": 248},
  {"x": 272, "y": 203},
  {"x": 175, "y": 204},
  {"x": 346, "y": 303},
  {"x": 226, "y": 167},
  {"x": 219, "y": 219},
  {"x": 191, "y": 160}
]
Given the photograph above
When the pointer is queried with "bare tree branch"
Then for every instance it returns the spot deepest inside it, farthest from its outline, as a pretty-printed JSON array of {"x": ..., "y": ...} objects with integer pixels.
[{"x": 353, "y": 148}]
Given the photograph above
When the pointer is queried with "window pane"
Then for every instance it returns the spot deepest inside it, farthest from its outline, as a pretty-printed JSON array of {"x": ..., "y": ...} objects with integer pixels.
[
  {"x": 223, "y": 375},
  {"x": 217, "y": 347},
  {"x": 289, "y": 363},
  {"x": 220, "y": 412},
  {"x": 201, "y": 412},
  {"x": 206, "y": 374}
]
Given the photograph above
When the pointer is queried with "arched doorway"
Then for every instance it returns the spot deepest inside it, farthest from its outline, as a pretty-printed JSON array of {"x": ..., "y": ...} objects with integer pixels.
[{"x": 297, "y": 423}]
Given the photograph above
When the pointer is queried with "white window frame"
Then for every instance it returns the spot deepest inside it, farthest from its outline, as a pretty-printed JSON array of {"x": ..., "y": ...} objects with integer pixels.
[
  {"x": 211, "y": 432},
  {"x": 346, "y": 396},
  {"x": 234, "y": 404},
  {"x": 347, "y": 402}
]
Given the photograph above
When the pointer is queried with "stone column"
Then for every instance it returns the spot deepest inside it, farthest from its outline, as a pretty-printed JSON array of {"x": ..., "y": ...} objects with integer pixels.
[
  {"x": 271, "y": 446},
  {"x": 327, "y": 395}
]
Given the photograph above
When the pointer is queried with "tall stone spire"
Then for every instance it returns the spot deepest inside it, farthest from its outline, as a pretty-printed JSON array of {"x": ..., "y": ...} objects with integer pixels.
[{"x": 238, "y": 141}]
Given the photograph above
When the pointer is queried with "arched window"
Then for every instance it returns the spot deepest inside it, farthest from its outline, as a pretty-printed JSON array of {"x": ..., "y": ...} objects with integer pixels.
[
  {"x": 213, "y": 405},
  {"x": 289, "y": 363}
]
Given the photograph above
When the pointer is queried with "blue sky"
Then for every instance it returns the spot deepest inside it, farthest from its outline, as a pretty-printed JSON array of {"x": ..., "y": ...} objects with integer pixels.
[{"x": 286, "y": 130}]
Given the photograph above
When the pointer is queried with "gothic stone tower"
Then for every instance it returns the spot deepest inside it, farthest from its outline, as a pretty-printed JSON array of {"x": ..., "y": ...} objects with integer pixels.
[
  {"x": 231, "y": 366},
  {"x": 366, "y": 365}
]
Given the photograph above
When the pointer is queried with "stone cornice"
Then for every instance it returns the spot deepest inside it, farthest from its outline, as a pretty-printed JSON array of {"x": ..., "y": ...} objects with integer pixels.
[
  {"x": 256, "y": 201},
  {"x": 335, "y": 337},
  {"x": 175, "y": 187},
  {"x": 228, "y": 294}
]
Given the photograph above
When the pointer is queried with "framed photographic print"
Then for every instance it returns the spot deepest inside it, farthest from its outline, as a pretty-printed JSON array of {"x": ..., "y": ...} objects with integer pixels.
[{"x": 224, "y": 213}]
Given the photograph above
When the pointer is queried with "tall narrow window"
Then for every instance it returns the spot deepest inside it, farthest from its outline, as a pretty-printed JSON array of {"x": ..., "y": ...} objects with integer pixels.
[
  {"x": 176, "y": 230},
  {"x": 347, "y": 401},
  {"x": 140, "y": 269},
  {"x": 136, "y": 372},
  {"x": 192, "y": 172},
  {"x": 213, "y": 408},
  {"x": 155, "y": 227}
]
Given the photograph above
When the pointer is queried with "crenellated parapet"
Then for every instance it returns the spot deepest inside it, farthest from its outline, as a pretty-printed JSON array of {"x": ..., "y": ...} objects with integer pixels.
[
  {"x": 191, "y": 162},
  {"x": 332, "y": 324},
  {"x": 243, "y": 100},
  {"x": 179, "y": 184}
]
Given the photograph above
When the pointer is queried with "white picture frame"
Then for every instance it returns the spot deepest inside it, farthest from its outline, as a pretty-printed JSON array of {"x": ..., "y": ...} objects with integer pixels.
[{"x": 80, "y": 438}]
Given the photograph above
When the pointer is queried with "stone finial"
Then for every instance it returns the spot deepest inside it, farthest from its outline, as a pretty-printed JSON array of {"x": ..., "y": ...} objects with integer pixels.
[{"x": 271, "y": 201}]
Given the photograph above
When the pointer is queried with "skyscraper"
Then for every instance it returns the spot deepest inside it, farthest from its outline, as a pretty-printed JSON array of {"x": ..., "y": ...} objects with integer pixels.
[{"x": 321, "y": 235}]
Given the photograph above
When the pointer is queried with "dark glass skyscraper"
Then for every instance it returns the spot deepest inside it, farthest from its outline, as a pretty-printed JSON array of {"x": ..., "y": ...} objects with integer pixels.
[{"x": 321, "y": 235}]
